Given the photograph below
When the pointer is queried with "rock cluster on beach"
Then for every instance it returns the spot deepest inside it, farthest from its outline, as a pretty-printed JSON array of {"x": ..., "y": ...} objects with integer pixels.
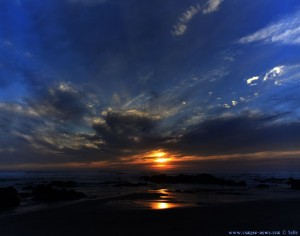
[
  {"x": 192, "y": 179},
  {"x": 54, "y": 191},
  {"x": 48, "y": 193},
  {"x": 9, "y": 197}
]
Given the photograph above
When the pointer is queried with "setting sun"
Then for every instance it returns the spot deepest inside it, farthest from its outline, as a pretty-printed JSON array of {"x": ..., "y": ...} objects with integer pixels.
[
  {"x": 161, "y": 160},
  {"x": 157, "y": 154},
  {"x": 160, "y": 157}
]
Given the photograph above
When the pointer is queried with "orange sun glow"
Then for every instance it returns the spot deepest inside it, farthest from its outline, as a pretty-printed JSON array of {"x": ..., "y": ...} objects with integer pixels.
[
  {"x": 161, "y": 160},
  {"x": 159, "y": 157}
]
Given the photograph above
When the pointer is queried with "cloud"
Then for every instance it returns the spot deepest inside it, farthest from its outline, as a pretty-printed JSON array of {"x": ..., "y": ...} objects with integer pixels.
[
  {"x": 234, "y": 103},
  {"x": 284, "y": 31},
  {"x": 39, "y": 129},
  {"x": 17, "y": 126},
  {"x": 211, "y": 6},
  {"x": 273, "y": 73},
  {"x": 129, "y": 130},
  {"x": 250, "y": 80},
  {"x": 283, "y": 74},
  {"x": 226, "y": 106},
  {"x": 279, "y": 75},
  {"x": 244, "y": 133},
  {"x": 61, "y": 101},
  {"x": 182, "y": 25},
  {"x": 133, "y": 132},
  {"x": 49, "y": 122},
  {"x": 63, "y": 119}
]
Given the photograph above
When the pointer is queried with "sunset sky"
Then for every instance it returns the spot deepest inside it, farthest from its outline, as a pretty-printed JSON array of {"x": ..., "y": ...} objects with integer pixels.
[{"x": 206, "y": 84}]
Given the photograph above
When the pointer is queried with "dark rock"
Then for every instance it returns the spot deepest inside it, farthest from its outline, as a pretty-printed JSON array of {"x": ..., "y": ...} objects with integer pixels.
[
  {"x": 63, "y": 184},
  {"x": 25, "y": 194},
  {"x": 242, "y": 183},
  {"x": 127, "y": 184},
  {"x": 192, "y": 179},
  {"x": 9, "y": 197},
  {"x": 295, "y": 183},
  {"x": 48, "y": 193},
  {"x": 263, "y": 186},
  {"x": 28, "y": 187},
  {"x": 273, "y": 180}
]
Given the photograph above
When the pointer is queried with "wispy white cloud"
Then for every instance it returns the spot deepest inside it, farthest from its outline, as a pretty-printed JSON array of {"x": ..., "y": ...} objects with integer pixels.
[
  {"x": 283, "y": 75},
  {"x": 275, "y": 72},
  {"x": 211, "y": 6},
  {"x": 18, "y": 109},
  {"x": 182, "y": 24},
  {"x": 279, "y": 75},
  {"x": 284, "y": 31}
]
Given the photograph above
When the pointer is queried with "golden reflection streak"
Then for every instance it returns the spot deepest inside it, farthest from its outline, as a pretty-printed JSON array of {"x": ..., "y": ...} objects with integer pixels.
[{"x": 165, "y": 205}]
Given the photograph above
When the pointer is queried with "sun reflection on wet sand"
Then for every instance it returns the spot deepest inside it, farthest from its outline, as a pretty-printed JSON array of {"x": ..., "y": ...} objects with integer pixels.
[
  {"x": 165, "y": 201},
  {"x": 157, "y": 205},
  {"x": 154, "y": 199}
]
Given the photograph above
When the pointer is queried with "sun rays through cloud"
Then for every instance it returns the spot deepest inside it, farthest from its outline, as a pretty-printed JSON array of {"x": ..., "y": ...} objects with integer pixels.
[{"x": 114, "y": 84}]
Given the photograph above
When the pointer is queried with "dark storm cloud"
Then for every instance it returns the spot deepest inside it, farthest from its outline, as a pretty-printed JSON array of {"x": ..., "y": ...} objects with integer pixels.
[
  {"x": 240, "y": 134},
  {"x": 128, "y": 130},
  {"x": 45, "y": 123},
  {"x": 123, "y": 133},
  {"x": 62, "y": 101}
]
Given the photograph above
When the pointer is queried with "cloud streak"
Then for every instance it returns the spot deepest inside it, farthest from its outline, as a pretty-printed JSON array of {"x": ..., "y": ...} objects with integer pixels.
[
  {"x": 279, "y": 75},
  {"x": 273, "y": 73},
  {"x": 182, "y": 25},
  {"x": 284, "y": 31},
  {"x": 212, "y": 6}
]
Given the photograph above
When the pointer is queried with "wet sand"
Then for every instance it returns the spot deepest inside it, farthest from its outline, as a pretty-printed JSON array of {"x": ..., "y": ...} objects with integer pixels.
[{"x": 95, "y": 218}]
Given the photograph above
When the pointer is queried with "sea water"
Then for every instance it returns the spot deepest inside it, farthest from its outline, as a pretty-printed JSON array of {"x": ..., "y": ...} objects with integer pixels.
[{"x": 105, "y": 185}]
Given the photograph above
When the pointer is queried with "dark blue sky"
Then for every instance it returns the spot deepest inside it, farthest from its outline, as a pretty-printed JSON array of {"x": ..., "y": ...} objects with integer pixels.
[{"x": 102, "y": 82}]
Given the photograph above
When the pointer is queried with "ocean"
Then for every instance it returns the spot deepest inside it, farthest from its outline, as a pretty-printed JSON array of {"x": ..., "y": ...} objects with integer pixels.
[{"x": 115, "y": 185}]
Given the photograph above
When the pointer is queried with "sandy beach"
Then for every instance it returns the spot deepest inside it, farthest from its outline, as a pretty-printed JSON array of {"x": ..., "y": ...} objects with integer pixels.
[{"x": 95, "y": 218}]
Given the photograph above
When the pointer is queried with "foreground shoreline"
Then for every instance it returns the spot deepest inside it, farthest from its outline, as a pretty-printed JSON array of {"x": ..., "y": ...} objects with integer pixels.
[{"x": 92, "y": 217}]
